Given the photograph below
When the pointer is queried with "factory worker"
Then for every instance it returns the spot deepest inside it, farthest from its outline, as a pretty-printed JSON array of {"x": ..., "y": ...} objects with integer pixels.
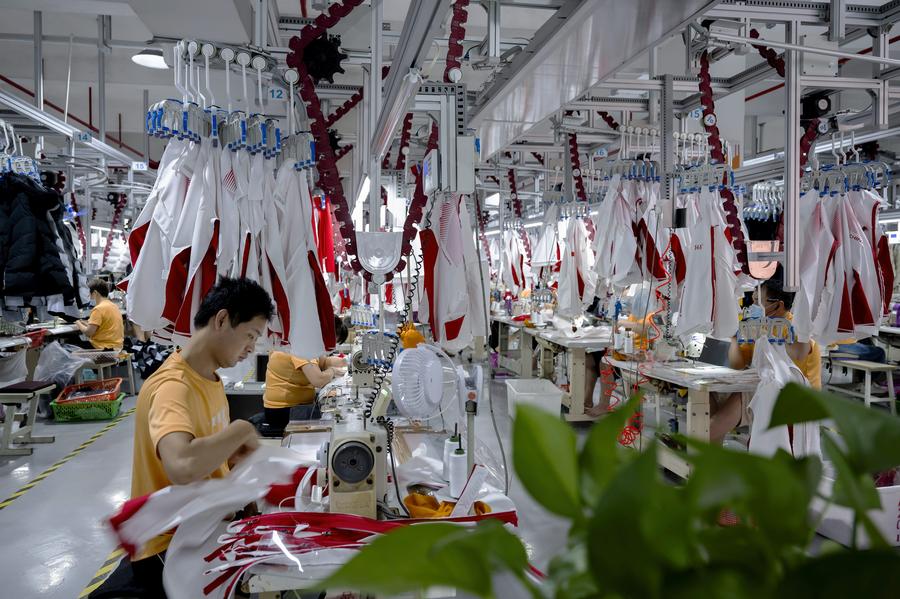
[
  {"x": 104, "y": 329},
  {"x": 727, "y": 412},
  {"x": 642, "y": 306},
  {"x": 292, "y": 381},
  {"x": 182, "y": 428}
]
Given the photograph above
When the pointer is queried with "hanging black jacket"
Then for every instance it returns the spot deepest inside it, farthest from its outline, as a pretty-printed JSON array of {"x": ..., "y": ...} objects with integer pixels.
[{"x": 29, "y": 257}]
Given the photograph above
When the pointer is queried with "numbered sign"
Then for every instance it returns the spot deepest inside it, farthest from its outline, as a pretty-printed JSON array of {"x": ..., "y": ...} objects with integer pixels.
[
  {"x": 696, "y": 113},
  {"x": 84, "y": 137},
  {"x": 276, "y": 93},
  {"x": 139, "y": 166}
]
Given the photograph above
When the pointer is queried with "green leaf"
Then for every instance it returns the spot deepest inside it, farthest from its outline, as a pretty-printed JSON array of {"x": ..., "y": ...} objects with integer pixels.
[
  {"x": 417, "y": 557},
  {"x": 640, "y": 528},
  {"x": 569, "y": 574},
  {"x": 873, "y": 573},
  {"x": 856, "y": 491},
  {"x": 773, "y": 492},
  {"x": 601, "y": 455},
  {"x": 546, "y": 461},
  {"x": 872, "y": 436}
]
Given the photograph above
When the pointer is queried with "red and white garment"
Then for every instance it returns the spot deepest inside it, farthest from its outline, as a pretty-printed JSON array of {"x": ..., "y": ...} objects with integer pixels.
[
  {"x": 547, "y": 254},
  {"x": 615, "y": 244},
  {"x": 152, "y": 238},
  {"x": 818, "y": 243},
  {"x": 308, "y": 331},
  {"x": 854, "y": 275},
  {"x": 709, "y": 299},
  {"x": 516, "y": 268},
  {"x": 446, "y": 274},
  {"x": 577, "y": 277}
]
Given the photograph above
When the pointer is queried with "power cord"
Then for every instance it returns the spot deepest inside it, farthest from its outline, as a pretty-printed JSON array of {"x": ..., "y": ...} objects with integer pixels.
[{"x": 487, "y": 331}]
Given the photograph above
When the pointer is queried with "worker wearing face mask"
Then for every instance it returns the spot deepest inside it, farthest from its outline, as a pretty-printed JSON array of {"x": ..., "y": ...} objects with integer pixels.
[{"x": 774, "y": 301}]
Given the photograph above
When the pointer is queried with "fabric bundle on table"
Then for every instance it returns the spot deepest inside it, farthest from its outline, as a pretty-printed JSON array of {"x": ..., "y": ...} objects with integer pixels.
[
  {"x": 215, "y": 212},
  {"x": 39, "y": 260}
]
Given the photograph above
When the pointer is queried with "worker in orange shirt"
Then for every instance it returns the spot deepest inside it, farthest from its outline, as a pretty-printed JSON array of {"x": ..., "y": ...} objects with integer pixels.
[{"x": 182, "y": 429}]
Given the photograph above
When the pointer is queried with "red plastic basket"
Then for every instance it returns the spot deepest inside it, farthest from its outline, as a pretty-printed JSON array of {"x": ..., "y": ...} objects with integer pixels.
[{"x": 104, "y": 390}]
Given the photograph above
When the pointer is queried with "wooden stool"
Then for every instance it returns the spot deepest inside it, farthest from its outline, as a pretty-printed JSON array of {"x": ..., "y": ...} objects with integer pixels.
[
  {"x": 867, "y": 368},
  {"x": 27, "y": 393},
  {"x": 102, "y": 366}
]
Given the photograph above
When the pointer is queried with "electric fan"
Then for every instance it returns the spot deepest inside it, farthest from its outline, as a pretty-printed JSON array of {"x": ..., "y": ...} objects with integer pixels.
[{"x": 421, "y": 379}]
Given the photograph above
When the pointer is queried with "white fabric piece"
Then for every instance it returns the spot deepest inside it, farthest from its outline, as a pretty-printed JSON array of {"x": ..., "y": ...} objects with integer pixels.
[
  {"x": 817, "y": 243},
  {"x": 293, "y": 210},
  {"x": 577, "y": 263},
  {"x": 477, "y": 288},
  {"x": 198, "y": 508},
  {"x": 229, "y": 216},
  {"x": 776, "y": 370},
  {"x": 544, "y": 253}
]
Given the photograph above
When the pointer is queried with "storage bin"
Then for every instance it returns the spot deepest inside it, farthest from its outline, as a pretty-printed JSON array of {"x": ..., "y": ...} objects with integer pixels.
[
  {"x": 87, "y": 410},
  {"x": 539, "y": 393},
  {"x": 91, "y": 392},
  {"x": 838, "y": 521}
]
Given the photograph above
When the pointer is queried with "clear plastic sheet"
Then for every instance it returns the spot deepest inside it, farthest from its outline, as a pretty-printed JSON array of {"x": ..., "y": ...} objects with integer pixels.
[{"x": 58, "y": 363}]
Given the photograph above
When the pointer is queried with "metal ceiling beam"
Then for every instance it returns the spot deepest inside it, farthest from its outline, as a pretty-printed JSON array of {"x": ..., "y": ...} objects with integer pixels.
[
  {"x": 53, "y": 124},
  {"x": 510, "y": 106},
  {"x": 807, "y": 13},
  {"x": 421, "y": 26}
]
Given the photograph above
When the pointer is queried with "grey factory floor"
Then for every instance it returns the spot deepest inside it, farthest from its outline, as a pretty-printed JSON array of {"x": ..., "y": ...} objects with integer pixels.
[{"x": 54, "y": 534}]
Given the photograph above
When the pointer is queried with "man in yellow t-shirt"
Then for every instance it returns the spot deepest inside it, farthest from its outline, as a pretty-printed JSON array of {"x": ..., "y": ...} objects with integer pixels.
[
  {"x": 105, "y": 328},
  {"x": 292, "y": 381},
  {"x": 182, "y": 429}
]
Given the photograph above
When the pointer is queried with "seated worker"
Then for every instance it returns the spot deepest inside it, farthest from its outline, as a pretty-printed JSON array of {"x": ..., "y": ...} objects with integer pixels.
[
  {"x": 292, "y": 381},
  {"x": 104, "y": 329},
  {"x": 182, "y": 429},
  {"x": 640, "y": 323},
  {"x": 726, "y": 412}
]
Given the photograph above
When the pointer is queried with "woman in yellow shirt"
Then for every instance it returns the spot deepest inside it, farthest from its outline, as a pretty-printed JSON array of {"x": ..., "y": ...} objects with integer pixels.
[
  {"x": 292, "y": 381},
  {"x": 105, "y": 328},
  {"x": 727, "y": 412}
]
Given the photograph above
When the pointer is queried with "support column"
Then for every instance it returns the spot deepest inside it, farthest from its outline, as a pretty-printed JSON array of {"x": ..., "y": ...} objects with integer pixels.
[
  {"x": 493, "y": 29},
  {"x": 881, "y": 48},
  {"x": 103, "y": 27},
  {"x": 374, "y": 96},
  {"x": 39, "y": 72},
  {"x": 654, "y": 100},
  {"x": 837, "y": 20},
  {"x": 792, "y": 161},
  {"x": 666, "y": 139}
]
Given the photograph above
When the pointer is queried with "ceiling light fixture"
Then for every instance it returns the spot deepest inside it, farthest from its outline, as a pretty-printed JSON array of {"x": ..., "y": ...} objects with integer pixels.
[{"x": 152, "y": 58}]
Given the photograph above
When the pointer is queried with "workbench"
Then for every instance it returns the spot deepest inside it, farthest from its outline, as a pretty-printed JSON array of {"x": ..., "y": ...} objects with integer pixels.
[
  {"x": 519, "y": 363},
  {"x": 576, "y": 348},
  {"x": 14, "y": 343},
  {"x": 700, "y": 379}
]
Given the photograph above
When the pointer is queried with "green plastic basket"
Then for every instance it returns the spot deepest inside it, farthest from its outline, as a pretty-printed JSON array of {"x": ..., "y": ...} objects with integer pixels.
[{"x": 87, "y": 410}]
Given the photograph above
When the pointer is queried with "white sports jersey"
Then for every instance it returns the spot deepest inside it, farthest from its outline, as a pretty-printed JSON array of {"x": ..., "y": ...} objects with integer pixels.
[
  {"x": 814, "y": 259},
  {"x": 709, "y": 299}
]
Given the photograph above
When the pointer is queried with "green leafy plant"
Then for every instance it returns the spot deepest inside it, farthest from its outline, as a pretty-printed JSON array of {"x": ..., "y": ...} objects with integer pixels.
[{"x": 635, "y": 534}]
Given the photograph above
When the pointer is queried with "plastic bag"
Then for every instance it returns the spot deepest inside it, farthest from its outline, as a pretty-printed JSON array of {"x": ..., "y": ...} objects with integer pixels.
[
  {"x": 58, "y": 364},
  {"x": 12, "y": 368}
]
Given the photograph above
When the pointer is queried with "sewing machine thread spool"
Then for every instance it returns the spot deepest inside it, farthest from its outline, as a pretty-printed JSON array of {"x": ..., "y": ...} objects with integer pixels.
[
  {"x": 458, "y": 471},
  {"x": 450, "y": 444}
]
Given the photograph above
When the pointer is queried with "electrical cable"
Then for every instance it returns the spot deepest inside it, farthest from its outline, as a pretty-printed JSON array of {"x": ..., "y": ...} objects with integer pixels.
[{"x": 487, "y": 329}]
